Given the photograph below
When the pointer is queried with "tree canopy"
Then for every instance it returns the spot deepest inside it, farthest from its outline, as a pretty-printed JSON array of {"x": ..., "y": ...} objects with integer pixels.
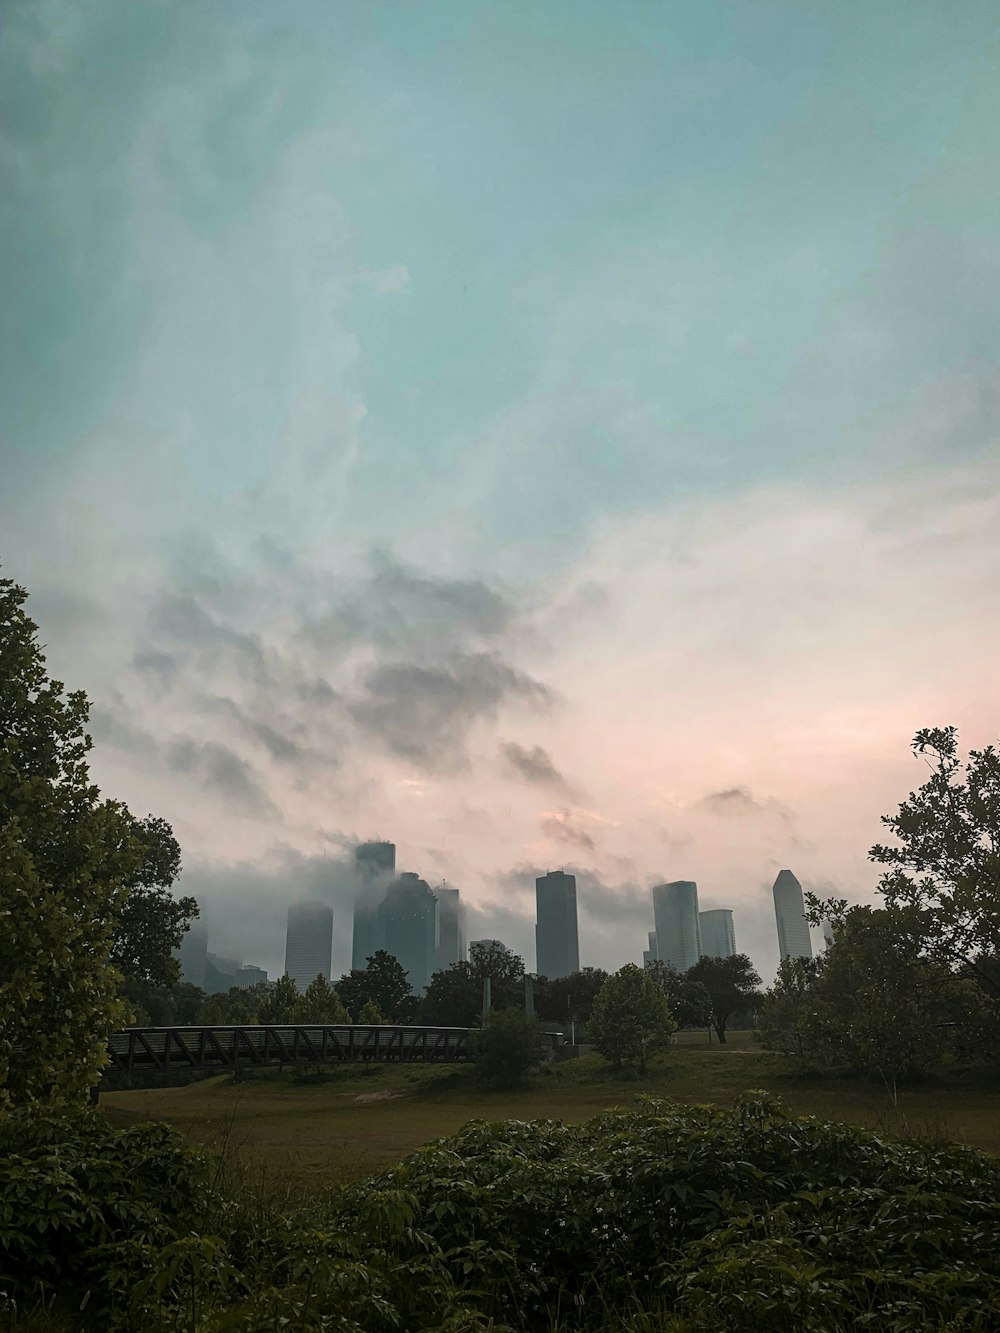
[
  {"x": 384, "y": 982},
  {"x": 732, "y": 987},
  {"x": 630, "y": 1020}
]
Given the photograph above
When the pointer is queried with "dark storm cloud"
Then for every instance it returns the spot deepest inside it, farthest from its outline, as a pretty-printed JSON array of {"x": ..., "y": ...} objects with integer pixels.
[
  {"x": 115, "y": 726},
  {"x": 423, "y": 712},
  {"x": 560, "y": 828},
  {"x": 740, "y": 801},
  {"x": 534, "y": 765},
  {"x": 195, "y": 632},
  {"x": 221, "y": 771}
]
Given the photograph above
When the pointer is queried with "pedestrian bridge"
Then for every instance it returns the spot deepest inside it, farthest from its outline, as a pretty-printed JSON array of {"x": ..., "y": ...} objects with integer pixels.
[{"x": 237, "y": 1047}]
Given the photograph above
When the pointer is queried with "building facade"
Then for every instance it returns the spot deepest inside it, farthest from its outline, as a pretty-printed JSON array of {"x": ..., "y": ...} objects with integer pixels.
[
  {"x": 308, "y": 942},
  {"x": 557, "y": 942},
  {"x": 789, "y": 914},
  {"x": 193, "y": 955},
  {"x": 407, "y": 927},
  {"x": 675, "y": 915},
  {"x": 250, "y": 975},
  {"x": 375, "y": 864},
  {"x": 718, "y": 936},
  {"x": 450, "y": 928},
  {"x": 649, "y": 953}
]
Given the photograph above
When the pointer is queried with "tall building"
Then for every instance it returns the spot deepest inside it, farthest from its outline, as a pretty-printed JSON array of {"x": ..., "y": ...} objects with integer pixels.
[
  {"x": 193, "y": 955},
  {"x": 407, "y": 927},
  {"x": 450, "y": 928},
  {"x": 250, "y": 975},
  {"x": 718, "y": 938},
  {"x": 309, "y": 942},
  {"x": 376, "y": 868},
  {"x": 649, "y": 955},
  {"x": 789, "y": 912},
  {"x": 675, "y": 915},
  {"x": 220, "y": 973},
  {"x": 557, "y": 944}
]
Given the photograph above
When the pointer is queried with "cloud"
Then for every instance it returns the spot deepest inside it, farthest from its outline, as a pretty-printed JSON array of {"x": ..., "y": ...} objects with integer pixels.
[
  {"x": 534, "y": 765},
  {"x": 740, "y": 802},
  {"x": 560, "y": 827}
]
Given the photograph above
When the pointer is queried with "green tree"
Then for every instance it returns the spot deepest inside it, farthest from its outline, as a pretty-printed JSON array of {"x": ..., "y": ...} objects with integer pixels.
[
  {"x": 732, "y": 986},
  {"x": 383, "y": 981},
  {"x": 489, "y": 958},
  {"x": 240, "y": 1006},
  {"x": 946, "y": 864},
  {"x": 320, "y": 1003},
  {"x": 783, "y": 1024},
  {"x": 507, "y": 1048},
  {"x": 630, "y": 1020},
  {"x": 454, "y": 997},
  {"x": 371, "y": 1014},
  {"x": 65, "y": 863},
  {"x": 688, "y": 1000},
  {"x": 281, "y": 1003},
  {"x": 569, "y": 999}
]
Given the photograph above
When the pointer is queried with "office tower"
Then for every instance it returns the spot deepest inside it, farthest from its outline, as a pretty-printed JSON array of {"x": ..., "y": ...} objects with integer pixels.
[
  {"x": 718, "y": 938},
  {"x": 308, "y": 943},
  {"x": 789, "y": 912},
  {"x": 649, "y": 955},
  {"x": 407, "y": 927},
  {"x": 451, "y": 928},
  {"x": 249, "y": 975},
  {"x": 220, "y": 973},
  {"x": 488, "y": 945},
  {"x": 193, "y": 955},
  {"x": 675, "y": 914},
  {"x": 826, "y": 926},
  {"x": 376, "y": 867},
  {"x": 557, "y": 944}
]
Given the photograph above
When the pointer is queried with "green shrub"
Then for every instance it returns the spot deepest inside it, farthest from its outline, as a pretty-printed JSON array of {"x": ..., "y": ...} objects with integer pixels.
[{"x": 509, "y": 1046}]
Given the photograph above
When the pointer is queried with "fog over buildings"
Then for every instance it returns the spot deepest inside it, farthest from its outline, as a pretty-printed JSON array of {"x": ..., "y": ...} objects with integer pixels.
[{"x": 308, "y": 942}]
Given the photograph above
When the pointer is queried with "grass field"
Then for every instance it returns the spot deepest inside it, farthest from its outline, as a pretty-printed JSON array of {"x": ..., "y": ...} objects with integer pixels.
[{"x": 351, "y": 1123}]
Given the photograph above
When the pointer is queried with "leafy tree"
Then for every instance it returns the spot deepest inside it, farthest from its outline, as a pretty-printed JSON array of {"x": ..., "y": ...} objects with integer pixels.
[
  {"x": 383, "y": 981},
  {"x": 169, "y": 1006},
  {"x": 688, "y": 1000},
  {"x": 946, "y": 866},
  {"x": 783, "y": 1022},
  {"x": 570, "y": 998},
  {"x": 731, "y": 984},
  {"x": 371, "y": 1014},
  {"x": 281, "y": 1003},
  {"x": 321, "y": 1004},
  {"x": 239, "y": 1006},
  {"x": 454, "y": 997},
  {"x": 630, "y": 1020},
  {"x": 489, "y": 958},
  {"x": 65, "y": 864},
  {"x": 508, "y": 1047}
]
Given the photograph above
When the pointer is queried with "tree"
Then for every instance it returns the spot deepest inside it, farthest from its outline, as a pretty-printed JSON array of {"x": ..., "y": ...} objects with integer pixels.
[
  {"x": 454, "y": 997},
  {"x": 321, "y": 1004},
  {"x": 630, "y": 1019},
  {"x": 946, "y": 866},
  {"x": 731, "y": 984},
  {"x": 569, "y": 999},
  {"x": 489, "y": 958},
  {"x": 383, "y": 981},
  {"x": 240, "y": 1006},
  {"x": 509, "y": 1045},
  {"x": 65, "y": 864},
  {"x": 688, "y": 1000},
  {"x": 281, "y": 1003},
  {"x": 784, "y": 1013},
  {"x": 371, "y": 1014}
]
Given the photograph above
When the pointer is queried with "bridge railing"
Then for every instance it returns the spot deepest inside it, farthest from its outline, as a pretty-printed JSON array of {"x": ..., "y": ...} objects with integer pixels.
[{"x": 233, "y": 1046}]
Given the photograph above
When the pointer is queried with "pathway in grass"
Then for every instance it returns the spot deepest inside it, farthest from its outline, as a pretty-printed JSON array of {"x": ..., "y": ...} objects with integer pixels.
[{"x": 333, "y": 1130}]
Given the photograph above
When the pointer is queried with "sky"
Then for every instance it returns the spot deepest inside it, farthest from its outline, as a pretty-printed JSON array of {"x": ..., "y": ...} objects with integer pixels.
[{"x": 543, "y": 433}]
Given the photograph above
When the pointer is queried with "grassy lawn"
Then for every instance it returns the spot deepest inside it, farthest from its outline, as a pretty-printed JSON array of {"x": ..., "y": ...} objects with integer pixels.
[{"x": 336, "y": 1130}]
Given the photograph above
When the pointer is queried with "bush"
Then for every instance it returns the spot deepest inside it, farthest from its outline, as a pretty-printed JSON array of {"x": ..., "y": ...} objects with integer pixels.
[{"x": 508, "y": 1047}]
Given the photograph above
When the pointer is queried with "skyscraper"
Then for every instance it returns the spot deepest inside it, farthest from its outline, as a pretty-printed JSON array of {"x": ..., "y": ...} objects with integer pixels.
[
  {"x": 193, "y": 955},
  {"x": 649, "y": 955},
  {"x": 718, "y": 938},
  {"x": 308, "y": 942},
  {"x": 789, "y": 912},
  {"x": 407, "y": 927},
  {"x": 557, "y": 944},
  {"x": 376, "y": 866},
  {"x": 675, "y": 915},
  {"x": 450, "y": 927}
]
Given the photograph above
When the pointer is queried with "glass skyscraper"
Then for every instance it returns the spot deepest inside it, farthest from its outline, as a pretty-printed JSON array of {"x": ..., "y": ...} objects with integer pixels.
[
  {"x": 376, "y": 866},
  {"x": 407, "y": 927},
  {"x": 557, "y": 943},
  {"x": 675, "y": 915},
  {"x": 309, "y": 942},
  {"x": 789, "y": 913},
  {"x": 718, "y": 938}
]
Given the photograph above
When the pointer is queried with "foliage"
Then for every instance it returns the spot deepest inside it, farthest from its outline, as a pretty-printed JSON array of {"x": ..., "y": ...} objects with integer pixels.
[
  {"x": 320, "y": 1003},
  {"x": 570, "y": 998},
  {"x": 732, "y": 986},
  {"x": 661, "y": 1216},
  {"x": 629, "y": 1020},
  {"x": 508, "y": 1047},
  {"x": 166, "y": 1006},
  {"x": 383, "y": 982},
  {"x": 688, "y": 1000},
  {"x": 64, "y": 867},
  {"x": 280, "y": 1003},
  {"x": 946, "y": 866},
  {"x": 454, "y": 997},
  {"x": 784, "y": 1013},
  {"x": 489, "y": 958},
  {"x": 371, "y": 1014}
]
